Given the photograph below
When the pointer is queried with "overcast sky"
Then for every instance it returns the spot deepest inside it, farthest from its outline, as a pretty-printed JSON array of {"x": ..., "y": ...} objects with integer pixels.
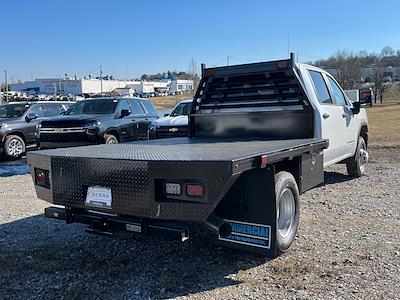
[{"x": 51, "y": 38}]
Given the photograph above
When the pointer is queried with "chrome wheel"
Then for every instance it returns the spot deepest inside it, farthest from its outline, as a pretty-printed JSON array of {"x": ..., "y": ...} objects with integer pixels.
[
  {"x": 362, "y": 158},
  {"x": 15, "y": 148},
  {"x": 112, "y": 141},
  {"x": 286, "y": 213}
]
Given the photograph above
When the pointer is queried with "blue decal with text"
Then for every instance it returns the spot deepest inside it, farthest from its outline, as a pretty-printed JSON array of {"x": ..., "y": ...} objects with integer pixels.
[{"x": 258, "y": 235}]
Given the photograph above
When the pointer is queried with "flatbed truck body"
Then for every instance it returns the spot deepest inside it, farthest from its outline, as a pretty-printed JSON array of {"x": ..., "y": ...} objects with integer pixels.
[{"x": 253, "y": 147}]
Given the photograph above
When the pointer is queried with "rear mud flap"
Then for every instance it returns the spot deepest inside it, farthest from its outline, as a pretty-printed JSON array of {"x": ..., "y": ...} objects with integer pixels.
[{"x": 250, "y": 208}]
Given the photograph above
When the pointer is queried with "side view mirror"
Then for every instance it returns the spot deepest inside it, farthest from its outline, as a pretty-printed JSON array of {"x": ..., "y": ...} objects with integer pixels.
[
  {"x": 356, "y": 107},
  {"x": 31, "y": 116},
  {"x": 125, "y": 113},
  {"x": 166, "y": 115}
]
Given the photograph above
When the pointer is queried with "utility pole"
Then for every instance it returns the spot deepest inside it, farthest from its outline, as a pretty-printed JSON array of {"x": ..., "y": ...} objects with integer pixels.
[
  {"x": 227, "y": 60},
  {"x": 101, "y": 81},
  {"x": 5, "y": 74},
  {"x": 59, "y": 85}
]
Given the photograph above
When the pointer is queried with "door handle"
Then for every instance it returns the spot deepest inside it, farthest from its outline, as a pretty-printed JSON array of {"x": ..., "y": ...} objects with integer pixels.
[
  {"x": 326, "y": 115},
  {"x": 344, "y": 115}
]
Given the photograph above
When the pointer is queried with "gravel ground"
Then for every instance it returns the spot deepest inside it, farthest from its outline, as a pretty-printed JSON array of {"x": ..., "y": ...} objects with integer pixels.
[{"x": 348, "y": 246}]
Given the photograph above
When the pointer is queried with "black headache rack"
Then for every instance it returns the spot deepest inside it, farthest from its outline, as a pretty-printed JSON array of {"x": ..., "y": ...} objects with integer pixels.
[{"x": 252, "y": 100}]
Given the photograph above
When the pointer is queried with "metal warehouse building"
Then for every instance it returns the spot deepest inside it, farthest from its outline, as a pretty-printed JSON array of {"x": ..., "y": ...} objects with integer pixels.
[
  {"x": 71, "y": 86},
  {"x": 51, "y": 86}
]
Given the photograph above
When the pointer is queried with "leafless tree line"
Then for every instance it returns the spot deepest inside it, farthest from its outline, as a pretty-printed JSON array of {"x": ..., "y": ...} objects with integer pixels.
[{"x": 348, "y": 66}]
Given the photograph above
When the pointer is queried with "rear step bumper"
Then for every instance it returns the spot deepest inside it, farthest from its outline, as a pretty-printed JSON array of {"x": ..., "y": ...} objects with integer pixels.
[{"x": 107, "y": 224}]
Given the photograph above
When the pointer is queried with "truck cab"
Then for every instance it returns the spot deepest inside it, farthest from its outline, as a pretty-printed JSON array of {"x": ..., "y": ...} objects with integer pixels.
[{"x": 337, "y": 119}]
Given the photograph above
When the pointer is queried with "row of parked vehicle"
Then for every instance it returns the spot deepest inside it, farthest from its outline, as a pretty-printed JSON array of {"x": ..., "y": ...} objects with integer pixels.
[{"x": 45, "y": 124}]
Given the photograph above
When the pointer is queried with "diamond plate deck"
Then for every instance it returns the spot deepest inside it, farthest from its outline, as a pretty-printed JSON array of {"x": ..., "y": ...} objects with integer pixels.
[
  {"x": 184, "y": 149},
  {"x": 132, "y": 170}
]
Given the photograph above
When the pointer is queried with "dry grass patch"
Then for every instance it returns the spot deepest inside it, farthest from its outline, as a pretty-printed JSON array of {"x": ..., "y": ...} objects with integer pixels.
[
  {"x": 384, "y": 126},
  {"x": 168, "y": 102}
]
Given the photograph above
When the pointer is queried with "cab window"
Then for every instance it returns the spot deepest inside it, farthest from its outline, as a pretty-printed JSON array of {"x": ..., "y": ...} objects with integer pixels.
[
  {"x": 123, "y": 104},
  {"x": 37, "y": 109},
  {"x": 52, "y": 110},
  {"x": 321, "y": 90},
  {"x": 339, "y": 96},
  {"x": 137, "y": 108},
  {"x": 64, "y": 107},
  {"x": 150, "y": 108}
]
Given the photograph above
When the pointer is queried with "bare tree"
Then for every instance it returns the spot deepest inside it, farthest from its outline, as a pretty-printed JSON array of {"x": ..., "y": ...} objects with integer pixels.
[
  {"x": 348, "y": 68},
  {"x": 387, "y": 51},
  {"x": 378, "y": 78},
  {"x": 194, "y": 73}
]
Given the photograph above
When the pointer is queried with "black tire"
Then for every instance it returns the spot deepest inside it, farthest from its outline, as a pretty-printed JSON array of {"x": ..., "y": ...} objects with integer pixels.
[
  {"x": 14, "y": 146},
  {"x": 287, "y": 210},
  {"x": 111, "y": 139},
  {"x": 356, "y": 165}
]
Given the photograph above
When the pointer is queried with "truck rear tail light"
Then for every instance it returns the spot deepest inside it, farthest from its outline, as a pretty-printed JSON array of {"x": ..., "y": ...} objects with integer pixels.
[
  {"x": 172, "y": 188},
  {"x": 264, "y": 161},
  {"x": 195, "y": 190},
  {"x": 42, "y": 178}
]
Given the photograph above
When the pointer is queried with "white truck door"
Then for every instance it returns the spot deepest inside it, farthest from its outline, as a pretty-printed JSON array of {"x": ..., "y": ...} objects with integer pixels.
[
  {"x": 331, "y": 119},
  {"x": 349, "y": 122}
]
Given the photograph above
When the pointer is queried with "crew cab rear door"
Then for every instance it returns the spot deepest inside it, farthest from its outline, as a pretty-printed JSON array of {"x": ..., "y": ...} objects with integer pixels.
[
  {"x": 331, "y": 117},
  {"x": 348, "y": 122},
  {"x": 128, "y": 127},
  {"x": 139, "y": 116}
]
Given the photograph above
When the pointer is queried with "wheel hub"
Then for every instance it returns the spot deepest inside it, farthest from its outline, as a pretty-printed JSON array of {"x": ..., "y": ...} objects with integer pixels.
[
  {"x": 15, "y": 147},
  {"x": 286, "y": 213},
  {"x": 362, "y": 158}
]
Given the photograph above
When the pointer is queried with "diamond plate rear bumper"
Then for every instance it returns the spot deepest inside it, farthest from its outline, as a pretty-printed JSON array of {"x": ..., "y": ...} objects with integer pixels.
[{"x": 133, "y": 185}]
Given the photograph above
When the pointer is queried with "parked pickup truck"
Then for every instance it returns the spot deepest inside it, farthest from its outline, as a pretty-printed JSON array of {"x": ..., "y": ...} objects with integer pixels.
[
  {"x": 97, "y": 121},
  {"x": 259, "y": 135},
  {"x": 174, "y": 124}
]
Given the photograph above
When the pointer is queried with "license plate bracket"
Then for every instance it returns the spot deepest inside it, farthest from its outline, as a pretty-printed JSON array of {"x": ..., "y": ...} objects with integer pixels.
[{"x": 100, "y": 197}]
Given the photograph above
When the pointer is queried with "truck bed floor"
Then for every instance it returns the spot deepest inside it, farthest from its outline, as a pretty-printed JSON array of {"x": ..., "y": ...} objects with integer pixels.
[{"x": 185, "y": 149}]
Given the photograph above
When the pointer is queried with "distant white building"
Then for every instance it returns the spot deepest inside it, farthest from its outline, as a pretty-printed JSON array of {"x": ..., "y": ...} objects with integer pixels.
[
  {"x": 180, "y": 86},
  {"x": 51, "y": 86},
  {"x": 125, "y": 92}
]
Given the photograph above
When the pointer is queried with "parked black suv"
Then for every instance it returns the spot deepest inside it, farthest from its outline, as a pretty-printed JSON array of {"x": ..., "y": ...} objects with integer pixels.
[
  {"x": 97, "y": 121},
  {"x": 18, "y": 124}
]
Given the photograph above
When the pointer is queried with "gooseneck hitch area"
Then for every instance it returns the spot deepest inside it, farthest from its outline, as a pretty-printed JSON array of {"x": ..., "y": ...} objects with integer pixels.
[{"x": 107, "y": 224}]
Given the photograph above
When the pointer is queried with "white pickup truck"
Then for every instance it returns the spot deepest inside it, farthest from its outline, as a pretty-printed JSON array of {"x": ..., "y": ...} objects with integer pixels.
[{"x": 259, "y": 135}]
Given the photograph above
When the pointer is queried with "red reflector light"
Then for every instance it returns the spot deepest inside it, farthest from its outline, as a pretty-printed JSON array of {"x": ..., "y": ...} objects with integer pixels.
[
  {"x": 42, "y": 178},
  {"x": 195, "y": 190},
  {"x": 209, "y": 72},
  {"x": 264, "y": 160},
  {"x": 282, "y": 64}
]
